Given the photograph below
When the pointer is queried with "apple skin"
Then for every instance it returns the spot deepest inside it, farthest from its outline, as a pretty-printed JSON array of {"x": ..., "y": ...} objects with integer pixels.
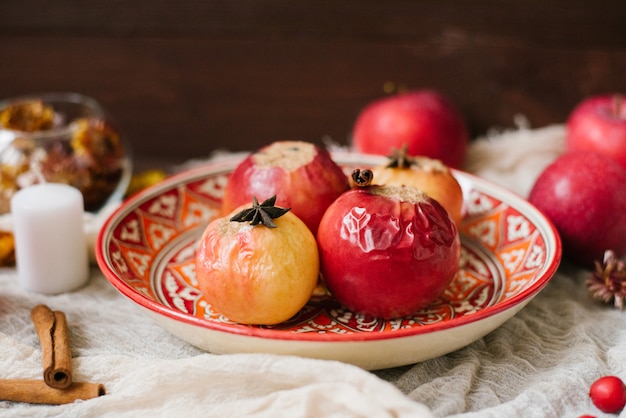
[
  {"x": 423, "y": 120},
  {"x": 429, "y": 175},
  {"x": 582, "y": 193},
  {"x": 302, "y": 175},
  {"x": 255, "y": 274},
  {"x": 598, "y": 124},
  {"x": 385, "y": 256}
]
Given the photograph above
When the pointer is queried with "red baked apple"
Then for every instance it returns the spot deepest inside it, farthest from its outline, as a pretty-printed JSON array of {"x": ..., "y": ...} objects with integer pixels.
[
  {"x": 427, "y": 174},
  {"x": 423, "y": 120},
  {"x": 258, "y": 265},
  {"x": 301, "y": 174},
  {"x": 598, "y": 124},
  {"x": 582, "y": 193},
  {"x": 387, "y": 251}
]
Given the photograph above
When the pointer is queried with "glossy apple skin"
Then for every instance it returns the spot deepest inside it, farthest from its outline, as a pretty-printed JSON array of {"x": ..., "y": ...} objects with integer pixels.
[
  {"x": 583, "y": 195},
  {"x": 385, "y": 257},
  {"x": 598, "y": 124},
  {"x": 307, "y": 189},
  {"x": 430, "y": 176},
  {"x": 254, "y": 274},
  {"x": 424, "y": 120}
]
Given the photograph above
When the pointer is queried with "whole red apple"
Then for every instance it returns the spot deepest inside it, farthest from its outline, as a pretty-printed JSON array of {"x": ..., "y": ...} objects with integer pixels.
[
  {"x": 387, "y": 251},
  {"x": 598, "y": 124},
  {"x": 424, "y": 121},
  {"x": 303, "y": 176},
  {"x": 582, "y": 193}
]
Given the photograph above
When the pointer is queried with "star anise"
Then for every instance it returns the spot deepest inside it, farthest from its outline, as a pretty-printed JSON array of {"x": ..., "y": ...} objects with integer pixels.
[
  {"x": 261, "y": 213},
  {"x": 608, "y": 281},
  {"x": 400, "y": 158}
]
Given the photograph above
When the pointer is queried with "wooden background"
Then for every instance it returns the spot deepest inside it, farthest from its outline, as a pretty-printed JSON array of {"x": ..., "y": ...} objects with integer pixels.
[{"x": 185, "y": 78}]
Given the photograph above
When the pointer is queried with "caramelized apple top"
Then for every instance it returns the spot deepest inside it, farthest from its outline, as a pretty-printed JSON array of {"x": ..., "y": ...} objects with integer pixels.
[
  {"x": 400, "y": 193},
  {"x": 289, "y": 155}
]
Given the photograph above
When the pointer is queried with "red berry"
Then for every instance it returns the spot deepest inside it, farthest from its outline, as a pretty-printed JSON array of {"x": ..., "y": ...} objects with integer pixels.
[{"x": 608, "y": 393}]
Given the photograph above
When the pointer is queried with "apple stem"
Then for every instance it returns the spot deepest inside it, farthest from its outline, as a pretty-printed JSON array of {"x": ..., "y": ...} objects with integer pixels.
[
  {"x": 362, "y": 178},
  {"x": 399, "y": 158}
]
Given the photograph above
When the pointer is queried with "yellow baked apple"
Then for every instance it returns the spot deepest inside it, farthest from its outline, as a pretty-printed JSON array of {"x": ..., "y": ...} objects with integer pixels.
[{"x": 259, "y": 265}]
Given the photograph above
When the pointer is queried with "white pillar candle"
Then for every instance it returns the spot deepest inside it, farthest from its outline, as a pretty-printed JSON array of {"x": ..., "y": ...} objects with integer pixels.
[{"x": 50, "y": 244}]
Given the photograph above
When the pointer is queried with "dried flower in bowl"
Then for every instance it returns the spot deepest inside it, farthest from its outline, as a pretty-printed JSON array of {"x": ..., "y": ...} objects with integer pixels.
[
  {"x": 27, "y": 116},
  {"x": 61, "y": 138}
]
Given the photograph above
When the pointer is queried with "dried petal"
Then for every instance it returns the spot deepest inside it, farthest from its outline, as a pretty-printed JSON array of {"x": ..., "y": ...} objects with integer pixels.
[
  {"x": 27, "y": 116},
  {"x": 608, "y": 281}
]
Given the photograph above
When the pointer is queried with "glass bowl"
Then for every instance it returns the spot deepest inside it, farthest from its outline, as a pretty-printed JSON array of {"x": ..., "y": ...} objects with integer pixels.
[{"x": 62, "y": 138}]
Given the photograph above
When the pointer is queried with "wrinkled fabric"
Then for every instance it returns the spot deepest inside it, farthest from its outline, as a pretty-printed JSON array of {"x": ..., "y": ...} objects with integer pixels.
[
  {"x": 540, "y": 363},
  {"x": 148, "y": 372}
]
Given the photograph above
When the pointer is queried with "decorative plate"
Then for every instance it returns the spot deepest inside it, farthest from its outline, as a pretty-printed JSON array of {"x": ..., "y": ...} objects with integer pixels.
[{"x": 146, "y": 250}]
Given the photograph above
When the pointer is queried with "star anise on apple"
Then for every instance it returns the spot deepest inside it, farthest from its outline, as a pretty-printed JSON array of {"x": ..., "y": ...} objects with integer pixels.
[
  {"x": 608, "y": 281},
  {"x": 261, "y": 213},
  {"x": 400, "y": 158}
]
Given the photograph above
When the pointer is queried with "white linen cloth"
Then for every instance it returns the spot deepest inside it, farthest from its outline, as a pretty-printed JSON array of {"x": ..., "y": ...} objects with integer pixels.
[{"x": 540, "y": 363}]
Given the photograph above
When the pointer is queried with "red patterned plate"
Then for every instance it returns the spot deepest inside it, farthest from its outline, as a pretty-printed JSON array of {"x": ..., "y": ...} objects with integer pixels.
[{"x": 146, "y": 250}]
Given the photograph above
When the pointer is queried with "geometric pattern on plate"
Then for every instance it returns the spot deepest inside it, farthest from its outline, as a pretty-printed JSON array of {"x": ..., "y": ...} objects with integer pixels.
[{"x": 152, "y": 250}]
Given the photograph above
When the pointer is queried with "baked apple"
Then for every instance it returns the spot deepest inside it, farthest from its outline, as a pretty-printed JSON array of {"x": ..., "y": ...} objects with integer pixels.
[
  {"x": 301, "y": 174},
  {"x": 387, "y": 251},
  {"x": 431, "y": 176},
  {"x": 259, "y": 265}
]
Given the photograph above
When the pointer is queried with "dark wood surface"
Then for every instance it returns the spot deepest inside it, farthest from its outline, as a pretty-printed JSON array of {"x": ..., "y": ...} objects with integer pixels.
[{"x": 185, "y": 78}]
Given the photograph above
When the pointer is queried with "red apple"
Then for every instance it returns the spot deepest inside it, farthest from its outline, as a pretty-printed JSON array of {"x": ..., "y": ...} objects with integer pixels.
[
  {"x": 429, "y": 175},
  {"x": 423, "y": 120},
  {"x": 598, "y": 124},
  {"x": 301, "y": 174},
  {"x": 583, "y": 195},
  {"x": 387, "y": 251}
]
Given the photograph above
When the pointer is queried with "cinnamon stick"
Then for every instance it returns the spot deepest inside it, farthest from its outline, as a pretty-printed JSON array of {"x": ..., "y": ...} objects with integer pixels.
[
  {"x": 54, "y": 337},
  {"x": 37, "y": 391}
]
